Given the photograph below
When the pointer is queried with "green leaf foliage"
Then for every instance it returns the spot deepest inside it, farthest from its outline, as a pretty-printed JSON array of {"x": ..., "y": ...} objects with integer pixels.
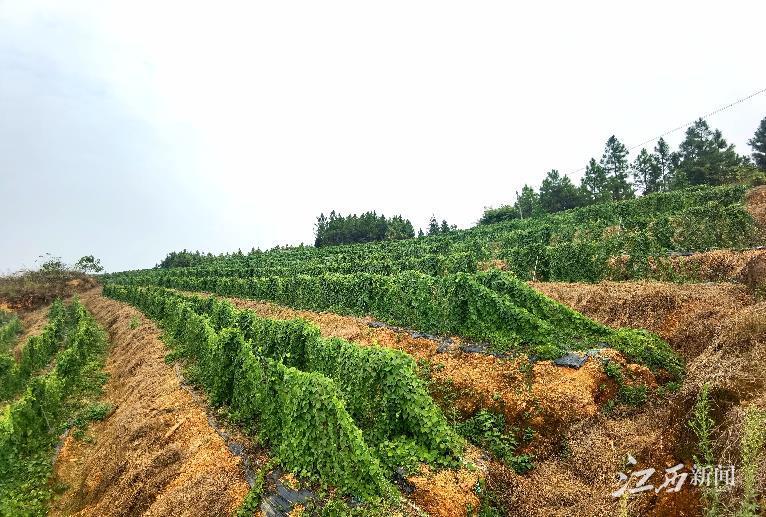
[
  {"x": 494, "y": 306},
  {"x": 328, "y": 406},
  {"x": 32, "y": 423}
]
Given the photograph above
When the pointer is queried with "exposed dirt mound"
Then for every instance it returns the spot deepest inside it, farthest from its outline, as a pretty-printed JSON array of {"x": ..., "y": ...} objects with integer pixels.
[
  {"x": 745, "y": 267},
  {"x": 32, "y": 289},
  {"x": 721, "y": 330},
  {"x": 32, "y": 324},
  {"x": 688, "y": 316},
  {"x": 446, "y": 493},
  {"x": 155, "y": 454}
]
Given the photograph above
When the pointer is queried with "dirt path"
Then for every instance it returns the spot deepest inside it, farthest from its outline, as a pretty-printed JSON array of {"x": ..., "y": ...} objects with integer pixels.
[{"x": 155, "y": 454}]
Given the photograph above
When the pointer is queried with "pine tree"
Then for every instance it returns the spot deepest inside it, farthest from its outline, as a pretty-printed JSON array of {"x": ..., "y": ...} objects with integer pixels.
[
  {"x": 321, "y": 229},
  {"x": 528, "y": 203},
  {"x": 433, "y": 226},
  {"x": 665, "y": 164},
  {"x": 367, "y": 227},
  {"x": 758, "y": 143},
  {"x": 646, "y": 172},
  {"x": 444, "y": 228},
  {"x": 615, "y": 164},
  {"x": 705, "y": 158},
  {"x": 399, "y": 228},
  {"x": 558, "y": 193},
  {"x": 594, "y": 184},
  {"x": 420, "y": 233}
]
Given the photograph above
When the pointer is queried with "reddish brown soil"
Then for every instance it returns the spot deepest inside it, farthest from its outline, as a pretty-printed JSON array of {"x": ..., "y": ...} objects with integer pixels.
[
  {"x": 155, "y": 454},
  {"x": 721, "y": 330},
  {"x": 446, "y": 493}
]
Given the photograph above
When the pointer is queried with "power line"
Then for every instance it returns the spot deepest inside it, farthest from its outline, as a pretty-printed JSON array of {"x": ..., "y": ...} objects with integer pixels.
[{"x": 683, "y": 126}]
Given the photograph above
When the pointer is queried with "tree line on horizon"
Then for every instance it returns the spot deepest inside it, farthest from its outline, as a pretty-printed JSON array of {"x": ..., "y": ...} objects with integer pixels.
[
  {"x": 704, "y": 157},
  {"x": 368, "y": 227},
  {"x": 339, "y": 229}
]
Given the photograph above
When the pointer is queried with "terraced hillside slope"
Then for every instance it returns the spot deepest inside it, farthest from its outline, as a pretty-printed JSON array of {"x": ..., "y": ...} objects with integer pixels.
[{"x": 428, "y": 375}]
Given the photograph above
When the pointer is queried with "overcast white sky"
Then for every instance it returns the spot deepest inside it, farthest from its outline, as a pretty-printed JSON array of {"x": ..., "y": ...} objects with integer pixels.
[{"x": 130, "y": 129}]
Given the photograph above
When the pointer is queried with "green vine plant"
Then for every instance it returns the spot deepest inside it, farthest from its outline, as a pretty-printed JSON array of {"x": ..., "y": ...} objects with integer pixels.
[
  {"x": 37, "y": 352},
  {"x": 489, "y": 431},
  {"x": 629, "y": 393},
  {"x": 10, "y": 328},
  {"x": 702, "y": 424},
  {"x": 752, "y": 451},
  {"x": 333, "y": 411},
  {"x": 50, "y": 402}
]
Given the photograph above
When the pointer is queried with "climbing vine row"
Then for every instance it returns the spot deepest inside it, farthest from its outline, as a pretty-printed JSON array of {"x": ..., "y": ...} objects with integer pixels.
[
  {"x": 494, "y": 306},
  {"x": 31, "y": 424},
  {"x": 335, "y": 411},
  {"x": 38, "y": 351}
]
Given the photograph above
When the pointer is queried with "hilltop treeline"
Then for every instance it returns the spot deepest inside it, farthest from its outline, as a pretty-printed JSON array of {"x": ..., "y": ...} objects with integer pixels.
[
  {"x": 703, "y": 158},
  {"x": 368, "y": 227}
]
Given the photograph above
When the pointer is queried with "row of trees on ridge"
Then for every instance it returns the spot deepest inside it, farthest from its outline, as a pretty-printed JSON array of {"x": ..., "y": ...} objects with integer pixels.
[{"x": 703, "y": 158}]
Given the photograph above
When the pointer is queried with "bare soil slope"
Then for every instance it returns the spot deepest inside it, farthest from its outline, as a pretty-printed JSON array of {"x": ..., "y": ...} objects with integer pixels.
[
  {"x": 721, "y": 331},
  {"x": 32, "y": 323},
  {"x": 688, "y": 316}
]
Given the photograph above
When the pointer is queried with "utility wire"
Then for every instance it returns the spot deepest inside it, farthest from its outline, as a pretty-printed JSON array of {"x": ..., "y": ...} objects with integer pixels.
[{"x": 683, "y": 126}]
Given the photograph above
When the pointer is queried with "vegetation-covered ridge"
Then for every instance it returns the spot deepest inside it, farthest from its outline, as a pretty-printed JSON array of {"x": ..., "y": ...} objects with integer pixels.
[
  {"x": 36, "y": 353},
  {"x": 51, "y": 402},
  {"x": 494, "y": 306},
  {"x": 333, "y": 411},
  {"x": 703, "y": 158},
  {"x": 617, "y": 240}
]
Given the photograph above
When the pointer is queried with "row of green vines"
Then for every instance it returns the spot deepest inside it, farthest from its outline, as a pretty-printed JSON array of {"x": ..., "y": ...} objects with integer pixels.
[
  {"x": 37, "y": 351},
  {"x": 10, "y": 328},
  {"x": 51, "y": 402},
  {"x": 495, "y": 307},
  {"x": 380, "y": 386},
  {"x": 303, "y": 414}
]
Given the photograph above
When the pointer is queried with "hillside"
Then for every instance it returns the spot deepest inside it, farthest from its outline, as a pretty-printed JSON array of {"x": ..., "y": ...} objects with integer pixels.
[
  {"x": 479, "y": 334},
  {"x": 507, "y": 369}
]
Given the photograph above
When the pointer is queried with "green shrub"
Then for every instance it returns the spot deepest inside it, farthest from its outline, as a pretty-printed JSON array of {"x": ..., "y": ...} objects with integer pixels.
[
  {"x": 488, "y": 430},
  {"x": 10, "y": 328}
]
